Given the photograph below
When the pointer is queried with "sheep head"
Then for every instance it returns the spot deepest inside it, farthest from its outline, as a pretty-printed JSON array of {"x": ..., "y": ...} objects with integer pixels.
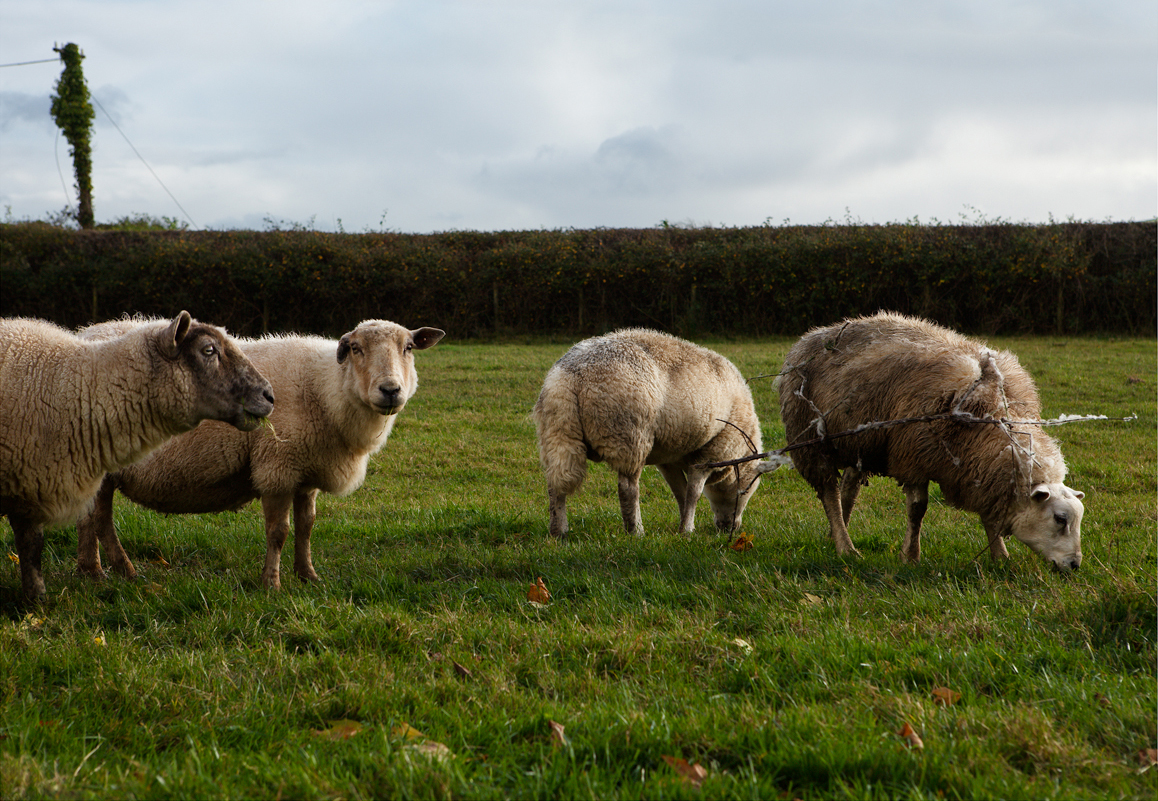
[
  {"x": 378, "y": 357},
  {"x": 1049, "y": 521}
]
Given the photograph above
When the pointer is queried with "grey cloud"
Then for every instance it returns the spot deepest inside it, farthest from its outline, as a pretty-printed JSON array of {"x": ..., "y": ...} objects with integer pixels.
[{"x": 20, "y": 107}]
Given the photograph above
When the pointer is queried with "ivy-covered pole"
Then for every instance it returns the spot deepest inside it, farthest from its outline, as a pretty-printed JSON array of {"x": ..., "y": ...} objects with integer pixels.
[{"x": 73, "y": 114}]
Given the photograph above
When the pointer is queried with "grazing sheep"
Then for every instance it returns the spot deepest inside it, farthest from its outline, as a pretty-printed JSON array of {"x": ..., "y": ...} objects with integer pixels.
[
  {"x": 637, "y": 397},
  {"x": 72, "y": 410},
  {"x": 893, "y": 367},
  {"x": 337, "y": 403}
]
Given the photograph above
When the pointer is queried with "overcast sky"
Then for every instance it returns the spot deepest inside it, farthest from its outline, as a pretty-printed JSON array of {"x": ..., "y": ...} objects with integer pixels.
[{"x": 427, "y": 115}]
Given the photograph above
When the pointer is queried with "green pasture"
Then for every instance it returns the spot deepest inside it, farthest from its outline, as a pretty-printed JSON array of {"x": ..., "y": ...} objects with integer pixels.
[{"x": 662, "y": 666}]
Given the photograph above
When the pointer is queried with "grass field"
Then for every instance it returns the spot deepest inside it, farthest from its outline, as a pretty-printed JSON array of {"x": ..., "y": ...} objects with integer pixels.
[{"x": 663, "y": 665}]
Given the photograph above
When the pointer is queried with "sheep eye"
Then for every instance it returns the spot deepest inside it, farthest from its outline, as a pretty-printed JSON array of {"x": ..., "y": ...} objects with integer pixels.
[
  {"x": 1060, "y": 520},
  {"x": 355, "y": 348},
  {"x": 209, "y": 351}
]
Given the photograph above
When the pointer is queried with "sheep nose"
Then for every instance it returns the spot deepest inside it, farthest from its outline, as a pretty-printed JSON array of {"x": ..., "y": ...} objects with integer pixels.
[
  {"x": 268, "y": 395},
  {"x": 390, "y": 394}
]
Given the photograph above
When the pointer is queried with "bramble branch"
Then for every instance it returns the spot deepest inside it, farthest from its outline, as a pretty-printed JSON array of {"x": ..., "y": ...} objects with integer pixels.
[{"x": 776, "y": 458}]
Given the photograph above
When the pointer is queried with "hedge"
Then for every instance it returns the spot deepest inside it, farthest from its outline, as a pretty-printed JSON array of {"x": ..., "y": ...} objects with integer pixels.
[{"x": 1067, "y": 278}]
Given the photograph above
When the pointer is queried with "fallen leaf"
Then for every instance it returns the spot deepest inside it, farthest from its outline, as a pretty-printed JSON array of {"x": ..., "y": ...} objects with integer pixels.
[
  {"x": 99, "y": 639},
  {"x": 558, "y": 738},
  {"x": 743, "y": 543},
  {"x": 943, "y": 696},
  {"x": 539, "y": 593},
  {"x": 747, "y": 646},
  {"x": 911, "y": 738},
  {"x": 32, "y": 621},
  {"x": 339, "y": 730},
  {"x": 809, "y": 598},
  {"x": 1148, "y": 757},
  {"x": 460, "y": 671},
  {"x": 691, "y": 774},
  {"x": 406, "y": 731},
  {"x": 14, "y": 557}
]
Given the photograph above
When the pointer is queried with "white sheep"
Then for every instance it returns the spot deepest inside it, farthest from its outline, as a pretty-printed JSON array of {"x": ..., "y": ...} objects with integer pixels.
[
  {"x": 637, "y": 397},
  {"x": 72, "y": 410},
  {"x": 337, "y": 403},
  {"x": 892, "y": 367}
]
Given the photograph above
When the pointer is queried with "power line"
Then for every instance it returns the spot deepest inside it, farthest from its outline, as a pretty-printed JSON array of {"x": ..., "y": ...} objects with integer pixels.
[
  {"x": 142, "y": 158},
  {"x": 23, "y": 63}
]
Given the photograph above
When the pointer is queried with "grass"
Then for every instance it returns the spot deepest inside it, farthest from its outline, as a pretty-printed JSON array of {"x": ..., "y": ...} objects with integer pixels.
[{"x": 784, "y": 671}]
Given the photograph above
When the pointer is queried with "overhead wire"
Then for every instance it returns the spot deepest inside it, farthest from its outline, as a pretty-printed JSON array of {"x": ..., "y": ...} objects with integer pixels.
[
  {"x": 142, "y": 158},
  {"x": 22, "y": 63},
  {"x": 188, "y": 216}
]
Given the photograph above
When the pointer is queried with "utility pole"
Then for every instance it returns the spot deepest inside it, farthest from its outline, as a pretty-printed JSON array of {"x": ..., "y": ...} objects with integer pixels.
[{"x": 74, "y": 114}]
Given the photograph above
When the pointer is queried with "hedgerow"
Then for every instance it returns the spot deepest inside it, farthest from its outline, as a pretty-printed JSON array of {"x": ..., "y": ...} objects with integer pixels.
[{"x": 1001, "y": 278}]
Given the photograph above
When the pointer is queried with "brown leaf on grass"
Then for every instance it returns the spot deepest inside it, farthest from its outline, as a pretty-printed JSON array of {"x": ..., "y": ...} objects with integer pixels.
[
  {"x": 1148, "y": 758},
  {"x": 339, "y": 730},
  {"x": 539, "y": 593},
  {"x": 943, "y": 696},
  {"x": 691, "y": 774},
  {"x": 814, "y": 600},
  {"x": 743, "y": 543},
  {"x": 558, "y": 738},
  {"x": 460, "y": 671},
  {"x": 911, "y": 738}
]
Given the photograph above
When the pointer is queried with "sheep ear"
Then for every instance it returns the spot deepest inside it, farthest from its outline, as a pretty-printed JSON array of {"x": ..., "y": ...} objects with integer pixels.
[
  {"x": 343, "y": 348},
  {"x": 1040, "y": 493},
  {"x": 426, "y": 337},
  {"x": 175, "y": 334}
]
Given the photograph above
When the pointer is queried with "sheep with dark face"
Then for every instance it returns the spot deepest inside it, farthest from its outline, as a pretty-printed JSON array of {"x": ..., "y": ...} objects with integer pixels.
[
  {"x": 337, "y": 404},
  {"x": 72, "y": 410},
  {"x": 892, "y": 367},
  {"x": 638, "y": 397}
]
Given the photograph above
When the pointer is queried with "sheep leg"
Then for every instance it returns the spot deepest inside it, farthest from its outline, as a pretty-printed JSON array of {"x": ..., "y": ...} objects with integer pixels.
[
  {"x": 829, "y": 494},
  {"x": 276, "y": 509},
  {"x": 96, "y": 526},
  {"x": 997, "y": 549},
  {"x": 30, "y": 549},
  {"x": 557, "y": 505},
  {"x": 850, "y": 483},
  {"x": 629, "y": 501},
  {"x": 305, "y": 511},
  {"x": 88, "y": 555},
  {"x": 916, "y": 502},
  {"x": 687, "y": 494}
]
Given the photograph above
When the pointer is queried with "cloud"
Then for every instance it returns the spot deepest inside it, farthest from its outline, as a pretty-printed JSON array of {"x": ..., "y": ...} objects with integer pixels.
[
  {"x": 18, "y": 107},
  {"x": 555, "y": 114}
]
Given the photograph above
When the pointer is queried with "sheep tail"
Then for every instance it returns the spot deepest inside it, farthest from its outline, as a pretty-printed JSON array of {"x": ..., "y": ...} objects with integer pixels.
[{"x": 562, "y": 449}]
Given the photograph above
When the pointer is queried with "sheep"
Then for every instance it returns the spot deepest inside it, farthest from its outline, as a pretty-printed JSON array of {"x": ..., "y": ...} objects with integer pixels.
[
  {"x": 637, "y": 397},
  {"x": 337, "y": 403},
  {"x": 71, "y": 410},
  {"x": 893, "y": 367}
]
